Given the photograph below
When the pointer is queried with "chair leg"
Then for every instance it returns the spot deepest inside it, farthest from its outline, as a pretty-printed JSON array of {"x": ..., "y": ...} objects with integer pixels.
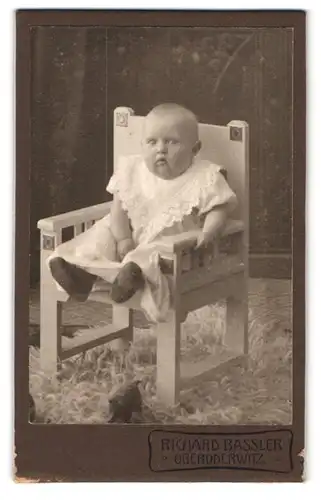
[
  {"x": 50, "y": 333},
  {"x": 122, "y": 317},
  {"x": 50, "y": 308},
  {"x": 236, "y": 334},
  {"x": 168, "y": 359}
]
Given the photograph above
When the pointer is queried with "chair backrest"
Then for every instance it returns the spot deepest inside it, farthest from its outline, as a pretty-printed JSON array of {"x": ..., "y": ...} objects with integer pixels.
[{"x": 226, "y": 146}]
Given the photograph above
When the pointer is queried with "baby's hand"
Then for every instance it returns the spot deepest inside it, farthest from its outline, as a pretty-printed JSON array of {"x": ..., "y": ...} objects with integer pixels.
[
  {"x": 204, "y": 238},
  {"x": 124, "y": 246},
  {"x": 213, "y": 226}
]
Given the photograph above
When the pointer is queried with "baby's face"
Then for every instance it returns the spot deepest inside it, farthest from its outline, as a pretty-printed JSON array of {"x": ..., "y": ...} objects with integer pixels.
[{"x": 168, "y": 145}]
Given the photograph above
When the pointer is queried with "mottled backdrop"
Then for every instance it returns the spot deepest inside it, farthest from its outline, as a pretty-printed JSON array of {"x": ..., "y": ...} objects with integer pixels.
[{"x": 79, "y": 75}]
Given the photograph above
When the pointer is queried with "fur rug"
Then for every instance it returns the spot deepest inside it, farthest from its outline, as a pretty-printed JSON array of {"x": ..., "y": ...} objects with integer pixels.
[{"x": 258, "y": 394}]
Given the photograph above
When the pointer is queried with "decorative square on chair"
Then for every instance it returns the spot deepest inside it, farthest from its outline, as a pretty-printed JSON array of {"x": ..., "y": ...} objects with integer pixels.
[
  {"x": 236, "y": 134},
  {"x": 48, "y": 242},
  {"x": 122, "y": 119}
]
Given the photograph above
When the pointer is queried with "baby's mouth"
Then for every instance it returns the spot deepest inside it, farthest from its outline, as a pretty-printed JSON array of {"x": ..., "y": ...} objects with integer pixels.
[{"x": 161, "y": 161}]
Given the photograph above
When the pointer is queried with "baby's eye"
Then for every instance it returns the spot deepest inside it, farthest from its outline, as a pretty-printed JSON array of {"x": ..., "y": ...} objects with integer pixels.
[
  {"x": 151, "y": 142},
  {"x": 172, "y": 141}
]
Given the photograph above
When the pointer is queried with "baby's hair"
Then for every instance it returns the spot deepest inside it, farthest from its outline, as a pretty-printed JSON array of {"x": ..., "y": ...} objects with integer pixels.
[{"x": 173, "y": 108}]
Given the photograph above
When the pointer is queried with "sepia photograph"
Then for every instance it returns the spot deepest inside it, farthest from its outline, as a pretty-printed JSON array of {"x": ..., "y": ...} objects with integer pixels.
[{"x": 160, "y": 246}]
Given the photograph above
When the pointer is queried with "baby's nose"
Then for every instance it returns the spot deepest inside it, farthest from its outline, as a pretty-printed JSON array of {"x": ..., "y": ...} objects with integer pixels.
[{"x": 161, "y": 147}]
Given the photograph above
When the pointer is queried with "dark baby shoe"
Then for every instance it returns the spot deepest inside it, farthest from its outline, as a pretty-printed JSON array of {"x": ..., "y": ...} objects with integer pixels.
[
  {"x": 74, "y": 280},
  {"x": 129, "y": 279}
]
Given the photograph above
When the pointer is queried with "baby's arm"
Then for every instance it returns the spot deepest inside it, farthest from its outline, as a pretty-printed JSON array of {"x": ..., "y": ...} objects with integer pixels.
[
  {"x": 120, "y": 227},
  {"x": 214, "y": 222}
]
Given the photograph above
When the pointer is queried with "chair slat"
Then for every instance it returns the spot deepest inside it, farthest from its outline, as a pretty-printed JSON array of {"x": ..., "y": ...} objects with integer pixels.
[
  {"x": 89, "y": 224},
  {"x": 78, "y": 229}
]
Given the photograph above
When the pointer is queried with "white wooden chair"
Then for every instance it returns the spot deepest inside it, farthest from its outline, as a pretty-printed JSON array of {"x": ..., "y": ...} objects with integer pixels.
[{"x": 200, "y": 277}]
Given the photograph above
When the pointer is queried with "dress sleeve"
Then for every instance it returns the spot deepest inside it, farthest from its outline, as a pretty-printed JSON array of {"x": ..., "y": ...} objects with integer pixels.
[{"x": 216, "y": 192}]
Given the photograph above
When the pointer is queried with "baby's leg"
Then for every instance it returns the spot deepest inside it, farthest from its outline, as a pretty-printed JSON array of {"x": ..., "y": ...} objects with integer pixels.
[
  {"x": 157, "y": 290},
  {"x": 74, "y": 280},
  {"x": 141, "y": 271},
  {"x": 76, "y": 263},
  {"x": 128, "y": 281},
  {"x": 130, "y": 277}
]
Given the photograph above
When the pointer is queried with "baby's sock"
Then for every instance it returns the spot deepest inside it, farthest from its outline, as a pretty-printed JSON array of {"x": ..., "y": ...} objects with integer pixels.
[
  {"x": 74, "y": 280},
  {"x": 129, "y": 279}
]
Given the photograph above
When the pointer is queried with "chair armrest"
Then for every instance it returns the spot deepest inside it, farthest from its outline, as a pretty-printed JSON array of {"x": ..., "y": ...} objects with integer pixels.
[
  {"x": 187, "y": 240},
  {"x": 233, "y": 227},
  {"x": 178, "y": 242},
  {"x": 58, "y": 222}
]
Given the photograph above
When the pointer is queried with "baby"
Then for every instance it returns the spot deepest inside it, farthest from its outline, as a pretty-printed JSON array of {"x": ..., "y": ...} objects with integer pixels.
[{"x": 165, "y": 190}]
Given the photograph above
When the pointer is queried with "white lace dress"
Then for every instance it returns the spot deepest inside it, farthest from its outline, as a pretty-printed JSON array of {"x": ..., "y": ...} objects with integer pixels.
[{"x": 156, "y": 208}]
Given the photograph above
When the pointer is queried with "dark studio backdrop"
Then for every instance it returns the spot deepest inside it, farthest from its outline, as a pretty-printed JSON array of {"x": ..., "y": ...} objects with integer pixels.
[{"x": 79, "y": 75}]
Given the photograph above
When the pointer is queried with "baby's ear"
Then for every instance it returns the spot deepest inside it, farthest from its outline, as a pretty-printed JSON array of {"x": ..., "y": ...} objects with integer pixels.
[{"x": 197, "y": 147}]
